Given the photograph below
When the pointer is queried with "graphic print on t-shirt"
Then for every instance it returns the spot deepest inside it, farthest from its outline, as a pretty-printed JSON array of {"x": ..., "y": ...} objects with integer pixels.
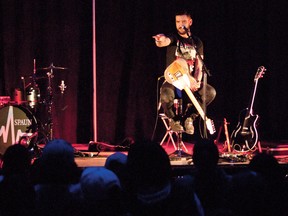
[{"x": 187, "y": 52}]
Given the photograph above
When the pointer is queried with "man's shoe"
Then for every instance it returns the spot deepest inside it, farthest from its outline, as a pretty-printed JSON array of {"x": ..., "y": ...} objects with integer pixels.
[
  {"x": 189, "y": 128},
  {"x": 176, "y": 126}
]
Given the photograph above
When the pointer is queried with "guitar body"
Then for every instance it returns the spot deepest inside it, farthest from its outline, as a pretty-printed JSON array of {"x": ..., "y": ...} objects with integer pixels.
[
  {"x": 245, "y": 135},
  {"x": 177, "y": 74}
]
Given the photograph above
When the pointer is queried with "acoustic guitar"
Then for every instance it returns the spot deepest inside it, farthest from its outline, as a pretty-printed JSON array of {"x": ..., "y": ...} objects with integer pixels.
[
  {"x": 245, "y": 136},
  {"x": 177, "y": 74}
]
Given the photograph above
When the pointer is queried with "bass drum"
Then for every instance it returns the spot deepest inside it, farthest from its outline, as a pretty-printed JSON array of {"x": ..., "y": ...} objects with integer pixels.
[{"x": 15, "y": 122}]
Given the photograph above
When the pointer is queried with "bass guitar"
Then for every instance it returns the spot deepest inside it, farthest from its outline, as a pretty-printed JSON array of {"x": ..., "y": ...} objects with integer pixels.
[
  {"x": 177, "y": 74},
  {"x": 245, "y": 136}
]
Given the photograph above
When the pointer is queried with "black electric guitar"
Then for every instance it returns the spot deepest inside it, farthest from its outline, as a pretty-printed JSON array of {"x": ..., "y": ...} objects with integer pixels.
[
  {"x": 177, "y": 74},
  {"x": 245, "y": 136}
]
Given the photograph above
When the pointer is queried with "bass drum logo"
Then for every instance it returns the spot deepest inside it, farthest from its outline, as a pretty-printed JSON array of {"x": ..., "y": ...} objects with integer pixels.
[{"x": 15, "y": 122}]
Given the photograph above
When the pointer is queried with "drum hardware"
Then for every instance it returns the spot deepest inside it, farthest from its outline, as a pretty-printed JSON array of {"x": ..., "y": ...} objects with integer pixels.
[
  {"x": 62, "y": 87},
  {"x": 29, "y": 97},
  {"x": 49, "y": 102},
  {"x": 31, "y": 91},
  {"x": 18, "y": 122},
  {"x": 32, "y": 143},
  {"x": 4, "y": 100},
  {"x": 26, "y": 140},
  {"x": 18, "y": 96}
]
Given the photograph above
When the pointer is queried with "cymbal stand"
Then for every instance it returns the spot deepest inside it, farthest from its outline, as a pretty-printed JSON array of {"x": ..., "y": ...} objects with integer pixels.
[{"x": 50, "y": 102}]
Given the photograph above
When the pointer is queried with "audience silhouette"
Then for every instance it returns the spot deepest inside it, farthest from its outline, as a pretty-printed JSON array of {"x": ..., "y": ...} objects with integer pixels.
[
  {"x": 139, "y": 183},
  {"x": 55, "y": 174},
  {"x": 152, "y": 189},
  {"x": 16, "y": 189},
  {"x": 212, "y": 183},
  {"x": 117, "y": 163},
  {"x": 275, "y": 188},
  {"x": 102, "y": 192}
]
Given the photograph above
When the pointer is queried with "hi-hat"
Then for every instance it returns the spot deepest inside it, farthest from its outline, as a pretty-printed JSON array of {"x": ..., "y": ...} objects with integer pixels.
[{"x": 52, "y": 67}]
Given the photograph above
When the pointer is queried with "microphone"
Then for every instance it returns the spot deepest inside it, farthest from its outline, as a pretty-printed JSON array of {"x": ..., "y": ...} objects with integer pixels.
[
  {"x": 184, "y": 27},
  {"x": 188, "y": 33}
]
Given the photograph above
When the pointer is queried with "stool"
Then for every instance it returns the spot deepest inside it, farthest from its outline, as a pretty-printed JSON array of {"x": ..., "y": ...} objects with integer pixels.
[{"x": 169, "y": 133}]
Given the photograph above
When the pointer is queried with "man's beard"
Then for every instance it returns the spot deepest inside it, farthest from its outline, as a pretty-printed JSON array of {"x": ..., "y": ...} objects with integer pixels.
[{"x": 181, "y": 32}]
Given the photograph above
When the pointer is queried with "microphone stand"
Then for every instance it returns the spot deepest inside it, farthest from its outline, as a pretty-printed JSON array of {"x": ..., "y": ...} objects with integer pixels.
[{"x": 205, "y": 72}]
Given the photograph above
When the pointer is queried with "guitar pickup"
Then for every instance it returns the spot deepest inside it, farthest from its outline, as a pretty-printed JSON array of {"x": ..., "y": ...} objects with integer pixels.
[{"x": 178, "y": 74}]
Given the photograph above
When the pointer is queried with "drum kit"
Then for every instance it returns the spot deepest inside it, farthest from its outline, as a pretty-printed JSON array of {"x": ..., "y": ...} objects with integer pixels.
[{"x": 20, "y": 120}]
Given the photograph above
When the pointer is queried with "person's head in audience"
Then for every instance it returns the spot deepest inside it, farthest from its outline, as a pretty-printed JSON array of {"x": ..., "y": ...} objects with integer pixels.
[
  {"x": 149, "y": 171},
  {"x": 101, "y": 190},
  {"x": 57, "y": 164},
  {"x": 268, "y": 166},
  {"x": 16, "y": 159},
  {"x": 16, "y": 189},
  {"x": 117, "y": 162},
  {"x": 205, "y": 155}
]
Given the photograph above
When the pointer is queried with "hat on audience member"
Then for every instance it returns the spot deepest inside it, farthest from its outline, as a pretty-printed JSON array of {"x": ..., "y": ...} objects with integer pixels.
[
  {"x": 59, "y": 149},
  {"x": 115, "y": 160},
  {"x": 99, "y": 183}
]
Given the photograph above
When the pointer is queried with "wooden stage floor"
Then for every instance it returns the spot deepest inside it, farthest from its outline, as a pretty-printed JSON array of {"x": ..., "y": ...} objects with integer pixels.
[{"x": 229, "y": 161}]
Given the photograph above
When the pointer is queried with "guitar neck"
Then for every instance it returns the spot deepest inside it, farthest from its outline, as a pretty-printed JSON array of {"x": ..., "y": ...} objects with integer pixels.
[
  {"x": 208, "y": 122},
  {"x": 250, "y": 110},
  {"x": 259, "y": 74},
  {"x": 195, "y": 102}
]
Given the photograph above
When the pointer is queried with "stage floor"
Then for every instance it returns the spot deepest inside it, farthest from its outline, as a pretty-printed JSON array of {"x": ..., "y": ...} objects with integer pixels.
[{"x": 230, "y": 161}]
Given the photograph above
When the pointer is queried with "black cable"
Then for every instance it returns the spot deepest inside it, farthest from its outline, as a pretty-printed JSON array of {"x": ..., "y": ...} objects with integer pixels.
[{"x": 157, "y": 107}]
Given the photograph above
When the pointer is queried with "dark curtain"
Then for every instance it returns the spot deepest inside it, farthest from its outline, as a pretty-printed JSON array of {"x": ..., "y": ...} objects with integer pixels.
[
  {"x": 238, "y": 37},
  {"x": 49, "y": 32}
]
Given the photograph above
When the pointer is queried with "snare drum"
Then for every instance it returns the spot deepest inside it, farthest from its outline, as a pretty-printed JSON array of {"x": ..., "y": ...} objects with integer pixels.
[{"x": 15, "y": 122}]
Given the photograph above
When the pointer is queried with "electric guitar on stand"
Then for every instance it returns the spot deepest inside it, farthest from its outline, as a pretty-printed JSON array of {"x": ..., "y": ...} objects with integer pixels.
[
  {"x": 177, "y": 74},
  {"x": 245, "y": 136}
]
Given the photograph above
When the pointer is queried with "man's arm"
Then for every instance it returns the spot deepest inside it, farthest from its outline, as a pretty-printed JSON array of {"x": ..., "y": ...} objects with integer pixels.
[
  {"x": 198, "y": 74},
  {"x": 161, "y": 40}
]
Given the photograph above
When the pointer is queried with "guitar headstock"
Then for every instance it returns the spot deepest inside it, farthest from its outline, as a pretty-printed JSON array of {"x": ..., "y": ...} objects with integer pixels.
[
  {"x": 210, "y": 126},
  {"x": 260, "y": 72}
]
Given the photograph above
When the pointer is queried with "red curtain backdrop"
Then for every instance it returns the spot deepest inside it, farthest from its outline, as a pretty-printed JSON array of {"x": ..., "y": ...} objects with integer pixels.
[{"x": 238, "y": 37}]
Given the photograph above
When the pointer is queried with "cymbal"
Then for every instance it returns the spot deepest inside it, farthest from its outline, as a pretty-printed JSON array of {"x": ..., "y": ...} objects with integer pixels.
[
  {"x": 52, "y": 67},
  {"x": 36, "y": 77}
]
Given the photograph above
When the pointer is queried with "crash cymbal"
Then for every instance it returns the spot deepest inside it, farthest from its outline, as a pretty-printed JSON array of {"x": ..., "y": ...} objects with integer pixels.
[
  {"x": 52, "y": 67},
  {"x": 36, "y": 77}
]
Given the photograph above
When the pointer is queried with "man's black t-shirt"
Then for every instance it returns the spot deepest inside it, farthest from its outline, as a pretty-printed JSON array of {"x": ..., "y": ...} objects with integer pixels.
[{"x": 183, "y": 48}]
